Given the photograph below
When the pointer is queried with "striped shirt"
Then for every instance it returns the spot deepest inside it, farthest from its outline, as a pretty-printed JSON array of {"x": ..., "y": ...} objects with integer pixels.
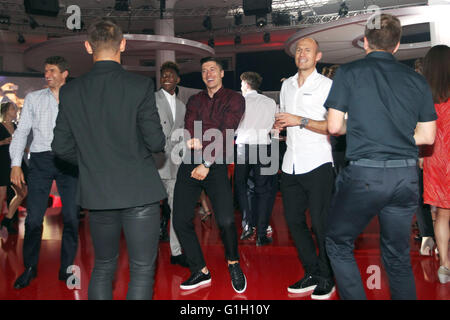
[{"x": 39, "y": 116}]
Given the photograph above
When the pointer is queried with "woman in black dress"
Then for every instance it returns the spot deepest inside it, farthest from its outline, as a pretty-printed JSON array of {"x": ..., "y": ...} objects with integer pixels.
[{"x": 8, "y": 113}]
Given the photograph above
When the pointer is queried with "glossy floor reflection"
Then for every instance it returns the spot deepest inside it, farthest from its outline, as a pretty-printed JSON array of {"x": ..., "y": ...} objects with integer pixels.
[{"x": 269, "y": 270}]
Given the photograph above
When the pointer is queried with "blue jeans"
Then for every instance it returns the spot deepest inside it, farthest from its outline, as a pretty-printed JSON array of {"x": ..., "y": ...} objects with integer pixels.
[
  {"x": 44, "y": 168},
  {"x": 361, "y": 193},
  {"x": 141, "y": 228}
]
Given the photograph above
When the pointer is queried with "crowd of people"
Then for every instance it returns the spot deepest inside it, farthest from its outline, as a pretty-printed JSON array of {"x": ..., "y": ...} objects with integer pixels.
[{"x": 119, "y": 149}]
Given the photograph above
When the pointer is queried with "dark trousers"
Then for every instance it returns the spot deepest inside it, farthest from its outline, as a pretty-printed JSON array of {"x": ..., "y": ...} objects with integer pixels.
[
  {"x": 44, "y": 168},
  {"x": 256, "y": 208},
  {"x": 362, "y": 193},
  {"x": 423, "y": 214},
  {"x": 311, "y": 190},
  {"x": 187, "y": 191},
  {"x": 141, "y": 228}
]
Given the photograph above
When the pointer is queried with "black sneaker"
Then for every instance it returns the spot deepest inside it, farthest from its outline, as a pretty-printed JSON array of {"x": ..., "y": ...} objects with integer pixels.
[
  {"x": 307, "y": 283},
  {"x": 195, "y": 280},
  {"x": 324, "y": 289},
  {"x": 238, "y": 280}
]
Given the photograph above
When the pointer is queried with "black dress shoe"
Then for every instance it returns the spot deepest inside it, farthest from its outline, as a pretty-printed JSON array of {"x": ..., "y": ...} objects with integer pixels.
[
  {"x": 247, "y": 232},
  {"x": 262, "y": 241},
  {"x": 180, "y": 259},
  {"x": 25, "y": 278}
]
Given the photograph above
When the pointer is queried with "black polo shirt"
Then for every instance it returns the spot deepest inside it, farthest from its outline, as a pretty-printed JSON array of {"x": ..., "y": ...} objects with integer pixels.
[{"x": 384, "y": 100}]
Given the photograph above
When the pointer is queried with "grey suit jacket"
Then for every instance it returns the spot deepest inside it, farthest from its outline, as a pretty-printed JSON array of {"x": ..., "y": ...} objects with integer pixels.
[{"x": 166, "y": 167}]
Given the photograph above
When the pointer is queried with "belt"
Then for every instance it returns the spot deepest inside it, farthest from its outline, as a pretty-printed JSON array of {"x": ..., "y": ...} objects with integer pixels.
[{"x": 384, "y": 164}]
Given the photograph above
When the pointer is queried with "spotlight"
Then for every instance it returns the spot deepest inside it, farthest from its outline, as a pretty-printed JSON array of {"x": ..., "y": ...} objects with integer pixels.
[
  {"x": 261, "y": 20},
  {"x": 343, "y": 10},
  {"x": 5, "y": 20},
  {"x": 211, "y": 42},
  {"x": 237, "y": 39},
  {"x": 20, "y": 38},
  {"x": 207, "y": 23},
  {"x": 266, "y": 37},
  {"x": 122, "y": 5},
  {"x": 238, "y": 19},
  {"x": 33, "y": 23}
]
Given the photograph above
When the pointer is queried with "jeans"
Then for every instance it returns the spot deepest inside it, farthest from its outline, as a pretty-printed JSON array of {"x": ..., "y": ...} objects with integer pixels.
[
  {"x": 361, "y": 194},
  {"x": 141, "y": 229}
]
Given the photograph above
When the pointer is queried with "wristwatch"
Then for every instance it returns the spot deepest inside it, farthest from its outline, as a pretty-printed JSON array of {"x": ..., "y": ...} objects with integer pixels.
[
  {"x": 303, "y": 122},
  {"x": 207, "y": 164}
]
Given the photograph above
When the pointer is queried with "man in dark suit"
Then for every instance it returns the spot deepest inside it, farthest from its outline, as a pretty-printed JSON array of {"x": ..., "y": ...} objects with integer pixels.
[{"x": 108, "y": 124}]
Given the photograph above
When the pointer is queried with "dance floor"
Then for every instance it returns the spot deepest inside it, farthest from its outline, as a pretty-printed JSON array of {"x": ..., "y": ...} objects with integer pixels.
[{"x": 269, "y": 269}]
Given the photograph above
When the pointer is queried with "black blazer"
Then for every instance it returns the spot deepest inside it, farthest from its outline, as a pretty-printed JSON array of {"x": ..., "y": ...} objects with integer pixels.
[{"x": 109, "y": 126}]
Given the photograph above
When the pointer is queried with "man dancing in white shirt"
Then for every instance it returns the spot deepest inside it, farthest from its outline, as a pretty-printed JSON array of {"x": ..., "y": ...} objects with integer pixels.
[{"x": 308, "y": 176}]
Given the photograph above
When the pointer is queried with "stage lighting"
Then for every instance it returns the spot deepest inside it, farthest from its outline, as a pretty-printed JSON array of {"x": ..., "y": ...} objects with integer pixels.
[
  {"x": 20, "y": 38},
  {"x": 261, "y": 20},
  {"x": 238, "y": 19},
  {"x": 237, "y": 39},
  {"x": 266, "y": 37},
  {"x": 5, "y": 20},
  {"x": 122, "y": 5},
  {"x": 211, "y": 42},
  {"x": 343, "y": 10},
  {"x": 207, "y": 23},
  {"x": 33, "y": 23}
]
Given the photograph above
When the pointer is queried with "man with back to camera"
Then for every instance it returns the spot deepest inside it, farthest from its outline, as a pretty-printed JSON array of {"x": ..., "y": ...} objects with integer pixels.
[
  {"x": 109, "y": 125},
  {"x": 217, "y": 109},
  {"x": 252, "y": 139},
  {"x": 307, "y": 171},
  {"x": 38, "y": 116},
  {"x": 171, "y": 112},
  {"x": 390, "y": 112}
]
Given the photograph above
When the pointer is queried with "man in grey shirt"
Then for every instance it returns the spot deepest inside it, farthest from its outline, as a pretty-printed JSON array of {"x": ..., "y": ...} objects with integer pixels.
[{"x": 38, "y": 116}]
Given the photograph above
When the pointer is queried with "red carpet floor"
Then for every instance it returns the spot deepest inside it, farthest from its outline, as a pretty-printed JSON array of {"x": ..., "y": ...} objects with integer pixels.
[{"x": 269, "y": 269}]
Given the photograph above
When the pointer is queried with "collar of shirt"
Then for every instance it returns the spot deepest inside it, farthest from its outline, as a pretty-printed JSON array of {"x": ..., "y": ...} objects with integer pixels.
[
  {"x": 217, "y": 94},
  {"x": 250, "y": 92},
  {"x": 171, "y": 98},
  {"x": 381, "y": 55},
  {"x": 312, "y": 77}
]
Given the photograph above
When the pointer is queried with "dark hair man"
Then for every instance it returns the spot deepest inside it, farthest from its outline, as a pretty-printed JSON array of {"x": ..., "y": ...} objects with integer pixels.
[
  {"x": 38, "y": 116},
  {"x": 171, "y": 112},
  {"x": 108, "y": 124},
  {"x": 217, "y": 109},
  {"x": 252, "y": 141},
  {"x": 390, "y": 112}
]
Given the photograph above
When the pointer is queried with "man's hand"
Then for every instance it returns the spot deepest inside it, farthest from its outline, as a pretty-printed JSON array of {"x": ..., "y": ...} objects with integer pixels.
[
  {"x": 194, "y": 144},
  {"x": 17, "y": 176},
  {"x": 283, "y": 120},
  {"x": 5, "y": 141},
  {"x": 200, "y": 172}
]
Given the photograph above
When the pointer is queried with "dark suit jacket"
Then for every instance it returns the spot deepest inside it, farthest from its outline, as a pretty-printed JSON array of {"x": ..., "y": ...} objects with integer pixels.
[{"x": 109, "y": 126}]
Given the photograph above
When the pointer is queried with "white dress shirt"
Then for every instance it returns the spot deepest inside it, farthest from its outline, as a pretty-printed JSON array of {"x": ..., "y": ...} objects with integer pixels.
[
  {"x": 39, "y": 113},
  {"x": 306, "y": 150},
  {"x": 171, "y": 98},
  {"x": 258, "y": 119}
]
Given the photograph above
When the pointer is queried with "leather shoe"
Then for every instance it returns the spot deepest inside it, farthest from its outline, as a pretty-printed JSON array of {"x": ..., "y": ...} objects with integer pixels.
[
  {"x": 25, "y": 278},
  {"x": 262, "y": 241},
  {"x": 180, "y": 259},
  {"x": 247, "y": 232}
]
